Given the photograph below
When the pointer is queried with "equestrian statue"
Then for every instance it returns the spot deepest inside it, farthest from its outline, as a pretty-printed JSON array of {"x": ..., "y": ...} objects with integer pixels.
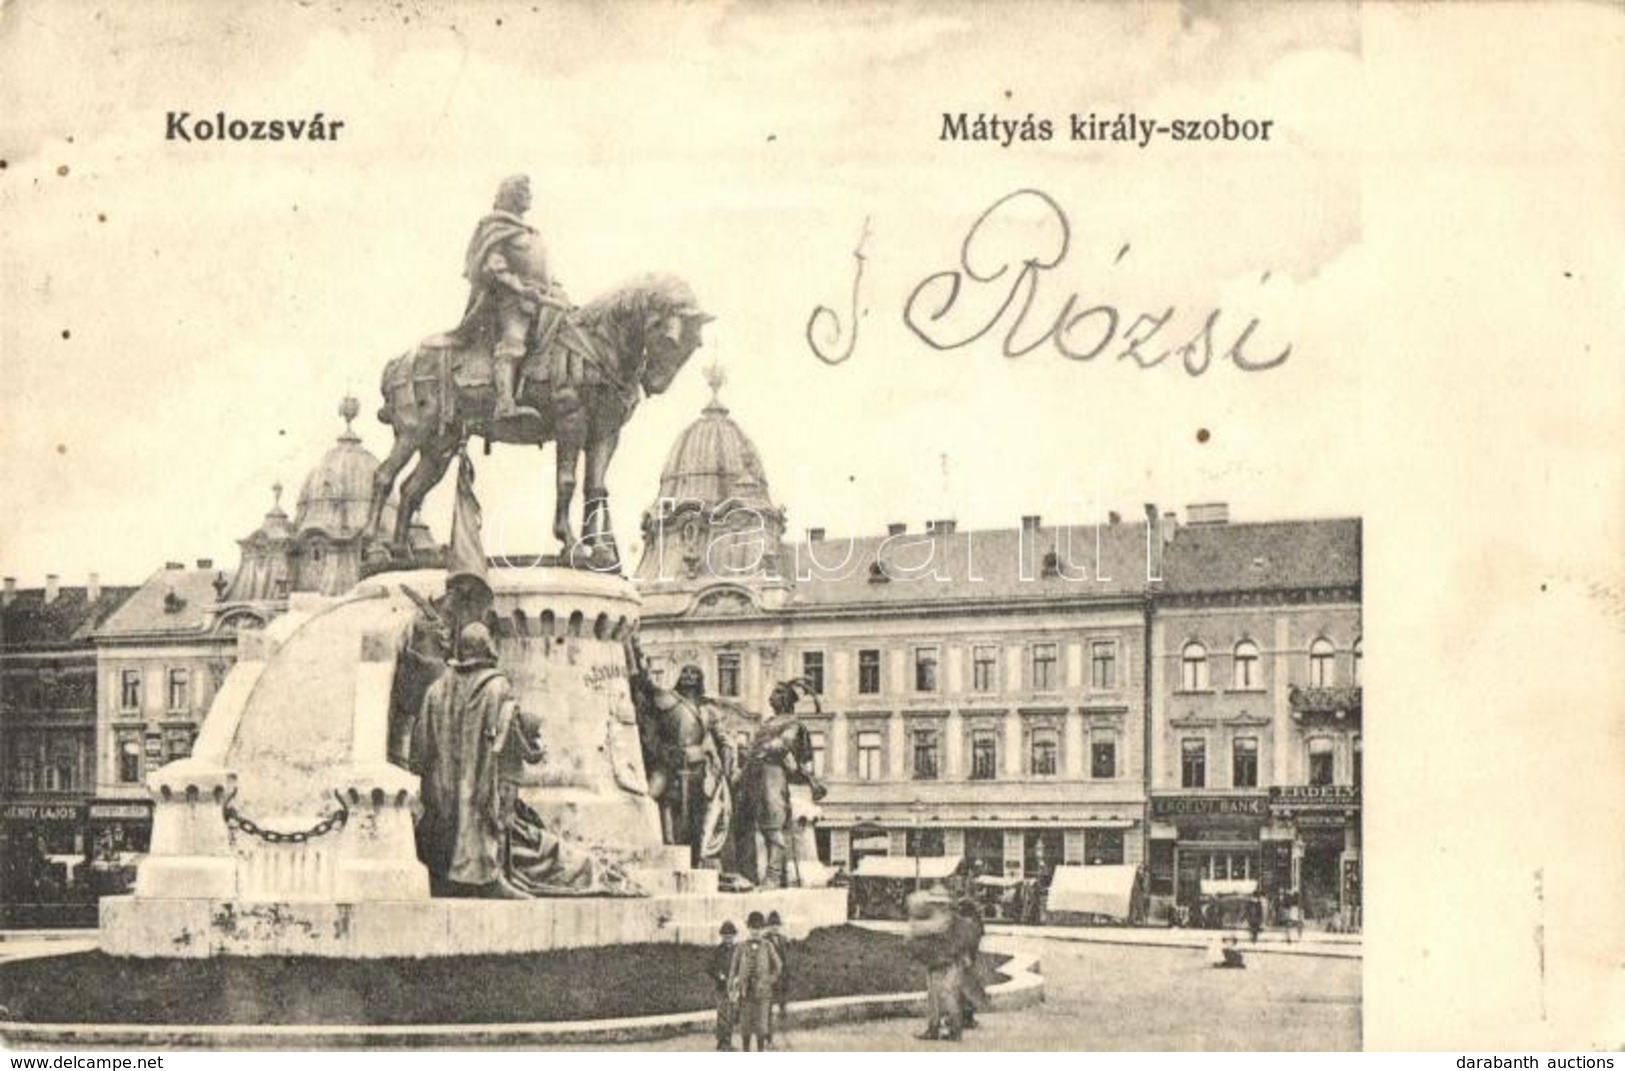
[{"x": 526, "y": 366}]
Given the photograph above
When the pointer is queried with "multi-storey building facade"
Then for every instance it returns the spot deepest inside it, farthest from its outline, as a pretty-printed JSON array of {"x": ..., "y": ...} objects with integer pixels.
[
  {"x": 982, "y": 691},
  {"x": 1256, "y": 714},
  {"x": 50, "y": 821}
]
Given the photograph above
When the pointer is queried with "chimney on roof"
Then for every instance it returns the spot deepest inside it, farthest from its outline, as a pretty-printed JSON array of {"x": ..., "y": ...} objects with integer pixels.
[
  {"x": 205, "y": 563},
  {"x": 896, "y": 528},
  {"x": 1155, "y": 540},
  {"x": 93, "y": 587},
  {"x": 1208, "y": 513},
  {"x": 1114, "y": 517},
  {"x": 11, "y": 591},
  {"x": 1030, "y": 522},
  {"x": 1170, "y": 525},
  {"x": 940, "y": 527},
  {"x": 815, "y": 535},
  {"x": 53, "y": 587},
  {"x": 174, "y": 565}
]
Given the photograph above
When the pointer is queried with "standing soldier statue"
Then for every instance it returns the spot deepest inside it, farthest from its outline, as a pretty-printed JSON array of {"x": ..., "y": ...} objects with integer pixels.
[{"x": 511, "y": 300}]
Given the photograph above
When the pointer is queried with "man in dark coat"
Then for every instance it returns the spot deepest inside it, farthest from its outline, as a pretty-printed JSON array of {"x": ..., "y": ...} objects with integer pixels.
[
  {"x": 722, "y": 958},
  {"x": 781, "y": 993},
  {"x": 752, "y": 977}
]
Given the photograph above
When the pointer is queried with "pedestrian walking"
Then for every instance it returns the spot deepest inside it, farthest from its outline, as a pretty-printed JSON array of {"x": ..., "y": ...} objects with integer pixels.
[
  {"x": 1255, "y": 917},
  {"x": 752, "y": 975},
  {"x": 721, "y": 964},
  {"x": 781, "y": 993}
]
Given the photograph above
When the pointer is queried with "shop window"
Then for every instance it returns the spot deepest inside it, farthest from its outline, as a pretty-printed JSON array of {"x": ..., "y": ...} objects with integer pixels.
[
  {"x": 984, "y": 668},
  {"x": 868, "y": 756},
  {"x": 180, "y": 690},
  {"x": 1229, "y": 866},
  {"x": 1193, "y": 667},
  {"x": 812, "y": 668},
  {"x": 1193, "y": 763},
  {"x": 728, "y": 674},
  {"x": 1322, "y": 664},
  {"x": 817, "y": 741},
  {"x": 869, "y": 672},
  {"x": 984, "y": 851},
  {"x": 1321, "y": 761},
  {"x": 1103, "y": 847},
  {"x": 925, "y": 669},
  {"x": 1046, "y": 749},
  {"x": 1041, "y": 853},
  {"x": 1246, "y": 676},
  {"x": 925, "y": 755},
  {"x": 178, "y": 743},
  {"x": 1043, "y": 667},
  {"x": 926, "y": 844},
  {"x": 984, "y": 756},
  {"x": 1103, "y": 665},
  {"x": 1103, "y": 758},
  {"x": 129, "y": 694},
  {"x": 1244, "y": 762}
]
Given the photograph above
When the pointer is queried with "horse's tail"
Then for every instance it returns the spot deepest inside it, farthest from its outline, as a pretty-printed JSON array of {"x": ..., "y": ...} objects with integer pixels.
[{"x": 388, "y": 383}]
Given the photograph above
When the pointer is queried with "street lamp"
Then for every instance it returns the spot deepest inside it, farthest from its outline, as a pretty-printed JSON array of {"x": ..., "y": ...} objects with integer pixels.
[{"x": 916, "y": 812}]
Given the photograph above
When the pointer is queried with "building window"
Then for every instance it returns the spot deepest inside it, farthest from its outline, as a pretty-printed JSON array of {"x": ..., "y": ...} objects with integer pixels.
[
  {"x": 925, "y": 669},
  {"x": 816, "y": 741},
  {"x": 1227, "y": 866},
  {"x": 129, "y": 758},
  {"x": 868, "y": 756},
  {"x": 1358, "y": 752},
  {"x": 129, "y": 691},
  {"x": 1103, "y": 665},
  {"x": 925, "y": 755},
  {"x": 1321, "y": 761},
  {"x": 926, "y": 844},
  {"x": 869, "y": 672},
  {"x": 1357, "y": 661},
  {"x": 728, "y": 674},
  {"x": 1246, "y": 667},
  {"x": 984, "y": 849},
  {"x": 1322, "y": 667},
  {"x": 984, "y": 668},
  {"x": 812, "y": 668},
  {"x": 180, "y": 690},
  {"x": 984, "y": 756},
  {"x": 1244, "y": 762},
  {"x": 1103, "y": 847},
  {"x": 178, "y": 743},
  {"x": 1193, "y": 763},
  {"x": 1046, "y": 748},
  {"x": 24, "y": 775},
  {"x": 1103, "y": 758},
  {"x": 1193, "y": 667},
  {"x": 1043, "y": 667}
]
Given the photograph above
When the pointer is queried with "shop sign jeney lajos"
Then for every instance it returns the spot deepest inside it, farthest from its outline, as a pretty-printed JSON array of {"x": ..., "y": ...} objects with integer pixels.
[
  {"x": 42, "y": 812},
  {"x": 1209, "y": 806}
]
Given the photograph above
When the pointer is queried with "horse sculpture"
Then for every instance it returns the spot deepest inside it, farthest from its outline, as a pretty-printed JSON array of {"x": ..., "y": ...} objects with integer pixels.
[{"x": 584, "y": 378}]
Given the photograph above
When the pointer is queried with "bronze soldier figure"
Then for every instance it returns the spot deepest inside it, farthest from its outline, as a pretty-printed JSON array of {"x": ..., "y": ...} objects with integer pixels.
[
  {"x": 780, "y": 754},
  {"x": 691, "y": 761}
]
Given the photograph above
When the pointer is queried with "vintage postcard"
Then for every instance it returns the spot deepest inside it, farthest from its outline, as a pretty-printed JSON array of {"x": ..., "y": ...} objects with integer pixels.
[{"x": 812, "y": 527}]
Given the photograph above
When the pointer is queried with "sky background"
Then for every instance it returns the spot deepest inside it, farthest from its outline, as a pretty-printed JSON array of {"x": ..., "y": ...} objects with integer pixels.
[{"x": 235, "y": 292}]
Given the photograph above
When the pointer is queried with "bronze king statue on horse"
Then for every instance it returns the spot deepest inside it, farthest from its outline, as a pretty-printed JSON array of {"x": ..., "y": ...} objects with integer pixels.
[{"x": 526, "y": 366}]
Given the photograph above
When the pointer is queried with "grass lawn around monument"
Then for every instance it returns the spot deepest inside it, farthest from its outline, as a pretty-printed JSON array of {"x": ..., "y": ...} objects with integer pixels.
[{"x": 579, "y": 984}]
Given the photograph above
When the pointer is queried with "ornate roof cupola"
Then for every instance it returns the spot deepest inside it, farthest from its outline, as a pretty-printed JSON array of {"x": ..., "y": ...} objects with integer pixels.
[
  {"x": 715, "y": 521},
  {"x": 264, "y": 570}
]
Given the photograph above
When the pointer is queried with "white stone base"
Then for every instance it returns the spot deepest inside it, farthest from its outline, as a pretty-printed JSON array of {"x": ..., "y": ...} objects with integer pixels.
[{"x": 197, "y": 928}]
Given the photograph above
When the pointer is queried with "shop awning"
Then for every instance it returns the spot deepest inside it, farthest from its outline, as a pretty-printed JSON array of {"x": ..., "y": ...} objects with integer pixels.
[
  {"x": 880, "y": 842},
  {"x": 1092, "y": 890},
  {"x": 931, "y": 867}
]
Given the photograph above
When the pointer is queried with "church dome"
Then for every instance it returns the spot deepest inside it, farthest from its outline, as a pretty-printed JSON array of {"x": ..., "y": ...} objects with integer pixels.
[
  {"x": 338, "y": 491},
  {"x": 713, "y": 460}
]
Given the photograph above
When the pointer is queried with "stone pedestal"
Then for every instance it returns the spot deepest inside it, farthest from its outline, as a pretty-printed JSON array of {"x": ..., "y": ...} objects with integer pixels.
[{"x": 561, "y": 637}]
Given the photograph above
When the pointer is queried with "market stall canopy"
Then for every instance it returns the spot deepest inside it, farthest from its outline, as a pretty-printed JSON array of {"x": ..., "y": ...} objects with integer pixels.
[
  {"x": 931, "y": 868},
  {"x": 1092, "y": 890}
]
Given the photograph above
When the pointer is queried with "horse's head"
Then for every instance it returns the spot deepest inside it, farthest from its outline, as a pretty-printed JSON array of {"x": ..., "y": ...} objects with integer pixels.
[{"x": 672, "y": 330}]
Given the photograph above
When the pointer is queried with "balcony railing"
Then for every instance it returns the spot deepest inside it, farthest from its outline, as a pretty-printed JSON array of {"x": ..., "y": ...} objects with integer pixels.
[{"x": 1342, "y": 701}]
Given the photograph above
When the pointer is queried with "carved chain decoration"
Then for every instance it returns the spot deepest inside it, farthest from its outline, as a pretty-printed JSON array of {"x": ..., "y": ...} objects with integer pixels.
[{"x": 335, "y": 820}]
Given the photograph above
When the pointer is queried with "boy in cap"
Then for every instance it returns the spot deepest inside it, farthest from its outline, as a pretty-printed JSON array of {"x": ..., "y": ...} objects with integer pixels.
[
  {"x": 721, "y": 964},
  {"x": 781, "y": 992},
  {"x": 752, "y": 977}
]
